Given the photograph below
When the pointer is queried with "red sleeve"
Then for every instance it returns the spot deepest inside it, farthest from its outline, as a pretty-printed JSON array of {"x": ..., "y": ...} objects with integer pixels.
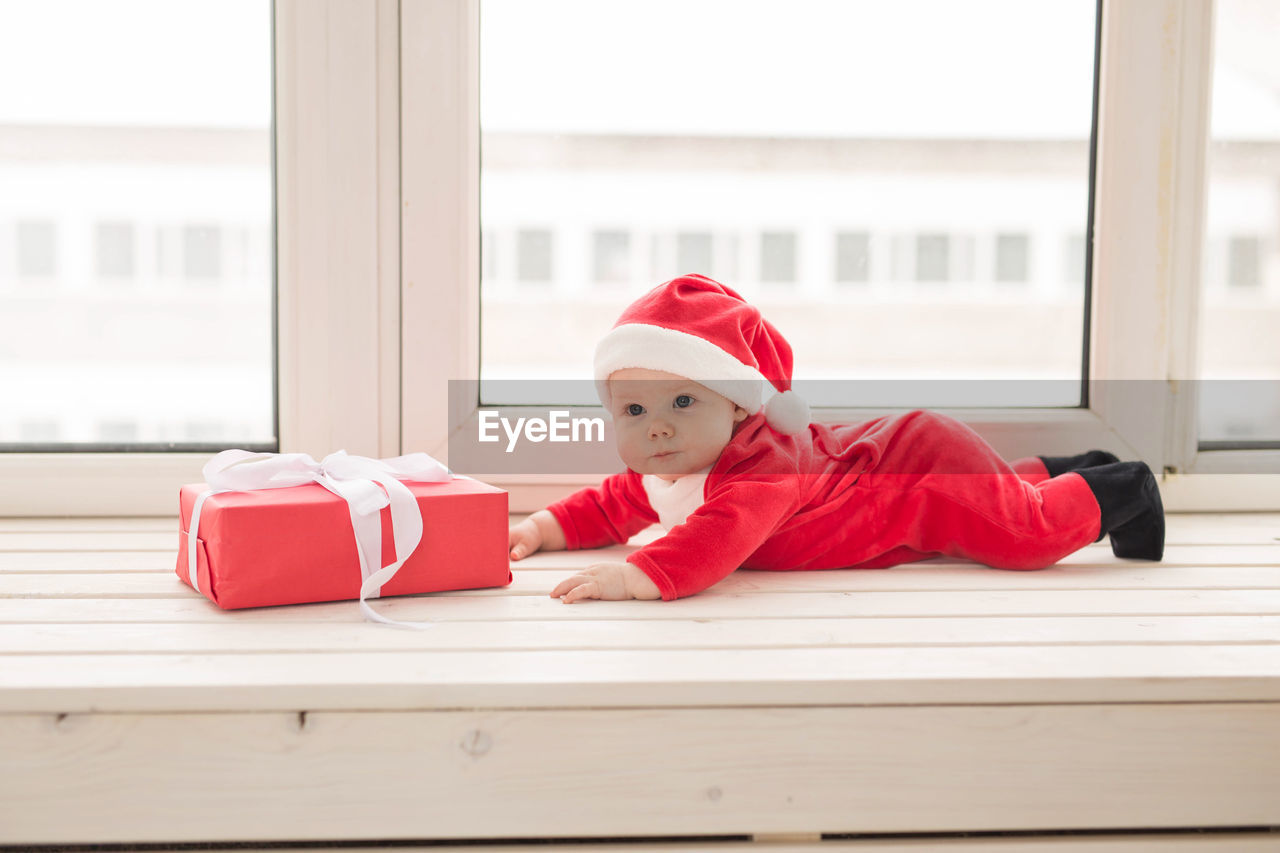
[
  {"x": 735, "y": 520},
  {"x": 608, "y": 514}
]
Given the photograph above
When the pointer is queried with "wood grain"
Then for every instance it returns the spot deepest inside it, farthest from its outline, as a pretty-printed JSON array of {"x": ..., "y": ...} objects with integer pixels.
[
  {"x": 941, "y": 696},
  {"x": 564, "y": 772}
]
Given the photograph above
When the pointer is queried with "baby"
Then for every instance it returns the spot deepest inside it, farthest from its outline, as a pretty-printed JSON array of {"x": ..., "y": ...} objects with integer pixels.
[{"x": 720, "y": 451}]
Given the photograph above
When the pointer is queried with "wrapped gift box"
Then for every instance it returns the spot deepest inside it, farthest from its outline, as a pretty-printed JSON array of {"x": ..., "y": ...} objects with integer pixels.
[{"x": 296, "y": 545}]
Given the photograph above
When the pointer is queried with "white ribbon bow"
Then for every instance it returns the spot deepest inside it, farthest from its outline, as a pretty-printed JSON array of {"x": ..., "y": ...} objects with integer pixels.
[{"x": 352, "y": 478}]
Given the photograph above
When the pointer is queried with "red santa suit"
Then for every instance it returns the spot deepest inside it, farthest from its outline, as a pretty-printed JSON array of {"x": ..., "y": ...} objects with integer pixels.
[
  {"x": 786, "y": 494},
  {"x": 892, "y": 490}
]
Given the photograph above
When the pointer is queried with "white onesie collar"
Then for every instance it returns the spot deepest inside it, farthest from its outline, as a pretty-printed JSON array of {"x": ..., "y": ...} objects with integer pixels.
[{"x": 674, "y": 501}]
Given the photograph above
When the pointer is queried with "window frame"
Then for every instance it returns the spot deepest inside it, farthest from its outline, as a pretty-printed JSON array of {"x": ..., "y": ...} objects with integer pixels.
[
  {"x": 336, "y": 136},
  {"x": 377, "y": 105},
  {"x": 1154, "y": 82}
]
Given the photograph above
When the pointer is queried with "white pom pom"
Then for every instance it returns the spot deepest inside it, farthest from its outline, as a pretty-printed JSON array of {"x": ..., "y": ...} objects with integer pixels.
[{"x": 787, "y": 413}]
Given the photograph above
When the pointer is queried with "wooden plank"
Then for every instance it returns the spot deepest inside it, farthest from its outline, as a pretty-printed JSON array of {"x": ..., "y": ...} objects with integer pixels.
[
  {"x": 1195, "y": 841},
  {"x": 235, "y": 637},
  {"x": 1220, "y": 528},
  {"x": 1088, "y": 562},
  {"x": 1094, "y": 556},
  {"x": 706, "y": 605},
  {"x": 87, "y": 561},
  {"x": 1251, "y": 565},
  {"x": 923, "y": 577},
  {"x": 166, "y": 584},
  {"x": 1237, "y": 554},
  {"x": 104, "y": 778},
  {"x": 1227, "y": 528},
  {"x": 109, "y": 537},
  {"x": 105, "y": 540},
  {"x": 539, "y": 580},
  {"x": 152, "y": 524},
  {"x": 149, "y": 585},
  {"x": 979, "y": 675},
  {"x": 116, "y": 551},
  {"x": 1224, "y": 528}
]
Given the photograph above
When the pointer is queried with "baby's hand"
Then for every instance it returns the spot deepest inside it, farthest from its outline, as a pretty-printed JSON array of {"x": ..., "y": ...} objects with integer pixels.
[
  {"x": 607, "y": 581},
  {"x": 523, "y": 539},
  {"x": 538, "y": 532}
]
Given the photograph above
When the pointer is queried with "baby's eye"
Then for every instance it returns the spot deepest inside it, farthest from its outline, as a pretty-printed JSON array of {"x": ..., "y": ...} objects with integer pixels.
[
  {"x": 684, "y": 401},
  {"x": 635, "y": 409}
]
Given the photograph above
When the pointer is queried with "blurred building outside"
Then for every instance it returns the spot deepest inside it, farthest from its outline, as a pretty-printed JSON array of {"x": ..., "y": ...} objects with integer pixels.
[{"x": 136, "y": 266}]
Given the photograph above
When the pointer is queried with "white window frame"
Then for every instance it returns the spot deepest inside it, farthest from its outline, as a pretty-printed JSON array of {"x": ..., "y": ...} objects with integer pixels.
[
  {"x": 1156, "y": 71},
  {"x": 338, "y": 261},
  {"x": 378, "y": 135}
]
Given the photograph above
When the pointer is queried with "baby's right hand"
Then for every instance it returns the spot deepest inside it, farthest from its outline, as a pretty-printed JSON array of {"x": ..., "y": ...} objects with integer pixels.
[{"x": 523, "y": 539}]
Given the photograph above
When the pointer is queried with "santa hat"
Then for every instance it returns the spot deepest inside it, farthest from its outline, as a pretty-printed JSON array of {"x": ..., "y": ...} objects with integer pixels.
[{"x": 698, "y": 328}]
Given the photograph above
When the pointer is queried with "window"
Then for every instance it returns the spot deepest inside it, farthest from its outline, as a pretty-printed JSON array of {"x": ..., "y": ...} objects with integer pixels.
[
  {"x": 1239, "y": 364},
  {"x": 205, "y": 431},
  {"x": 615, "y": 165},
  {"x": 594, "y": 140},
  {"x": 853, "y": 250},
  {"x": 1244, "y": 258},
  {"x": 777, "y": 151},
  {"x": 533, "y": 255},
  {"x": 114, "y": 249},
  {"x": 1012, "y": 257},
  {"x": 38, "y": 431},
  {"x": 152, "y": 124},
  {"x": 202, "y": 252},
  {"x": 37, "y": 249},
  {"x": 777, "y": 257},
  {"x": 933, "y": 254},
  {"x": 611, "y": 257},
  {"x": 118, "y": 432},
  {"x": 693, "y": 253}
]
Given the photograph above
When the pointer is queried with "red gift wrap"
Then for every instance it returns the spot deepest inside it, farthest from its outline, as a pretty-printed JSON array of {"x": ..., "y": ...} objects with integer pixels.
[{"x": 296, "y": 545}]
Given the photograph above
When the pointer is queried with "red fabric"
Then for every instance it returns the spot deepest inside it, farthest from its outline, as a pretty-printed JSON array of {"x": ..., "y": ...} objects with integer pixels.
[
  {"x": 892, "y": 490},
  {"x": 1030, "y": 468},
  {"x": 696, "y": 305}
]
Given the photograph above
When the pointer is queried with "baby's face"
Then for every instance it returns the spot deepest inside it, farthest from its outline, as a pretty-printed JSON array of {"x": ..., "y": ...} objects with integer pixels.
[{"x": 668, "y": 425}]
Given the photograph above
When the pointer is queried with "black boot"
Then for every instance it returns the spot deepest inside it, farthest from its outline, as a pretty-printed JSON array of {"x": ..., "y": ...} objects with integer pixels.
[
  {"x": 1132, "y": 511},
  {"x": 1056, "y": 465}
]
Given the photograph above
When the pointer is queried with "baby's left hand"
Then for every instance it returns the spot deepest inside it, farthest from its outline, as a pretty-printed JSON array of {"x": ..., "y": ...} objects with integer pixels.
[{"x": 608, "y": 581}]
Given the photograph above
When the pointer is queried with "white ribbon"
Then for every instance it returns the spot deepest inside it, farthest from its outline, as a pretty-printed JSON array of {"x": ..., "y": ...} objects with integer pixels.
[{"x": 352, "y": 478}]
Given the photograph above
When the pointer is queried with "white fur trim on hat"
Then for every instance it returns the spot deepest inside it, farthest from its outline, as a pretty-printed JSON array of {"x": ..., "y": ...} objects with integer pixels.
[
  {"x": 787, "y": 413},
  {"x": 680, "y": 353}
]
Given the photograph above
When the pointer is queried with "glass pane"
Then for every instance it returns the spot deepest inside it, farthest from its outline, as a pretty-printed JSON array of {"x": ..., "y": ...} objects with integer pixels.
[
  {"x": 1012, "y": 257},
  {"x": 872, "y": 182},
  {"x": 612, "y": 257},
  {"x": 136, "y": 206},
  {"x": 852, "y": 250},
  {"x": 778, "y": 257},
  {"x": 1240, "y": 295}
]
